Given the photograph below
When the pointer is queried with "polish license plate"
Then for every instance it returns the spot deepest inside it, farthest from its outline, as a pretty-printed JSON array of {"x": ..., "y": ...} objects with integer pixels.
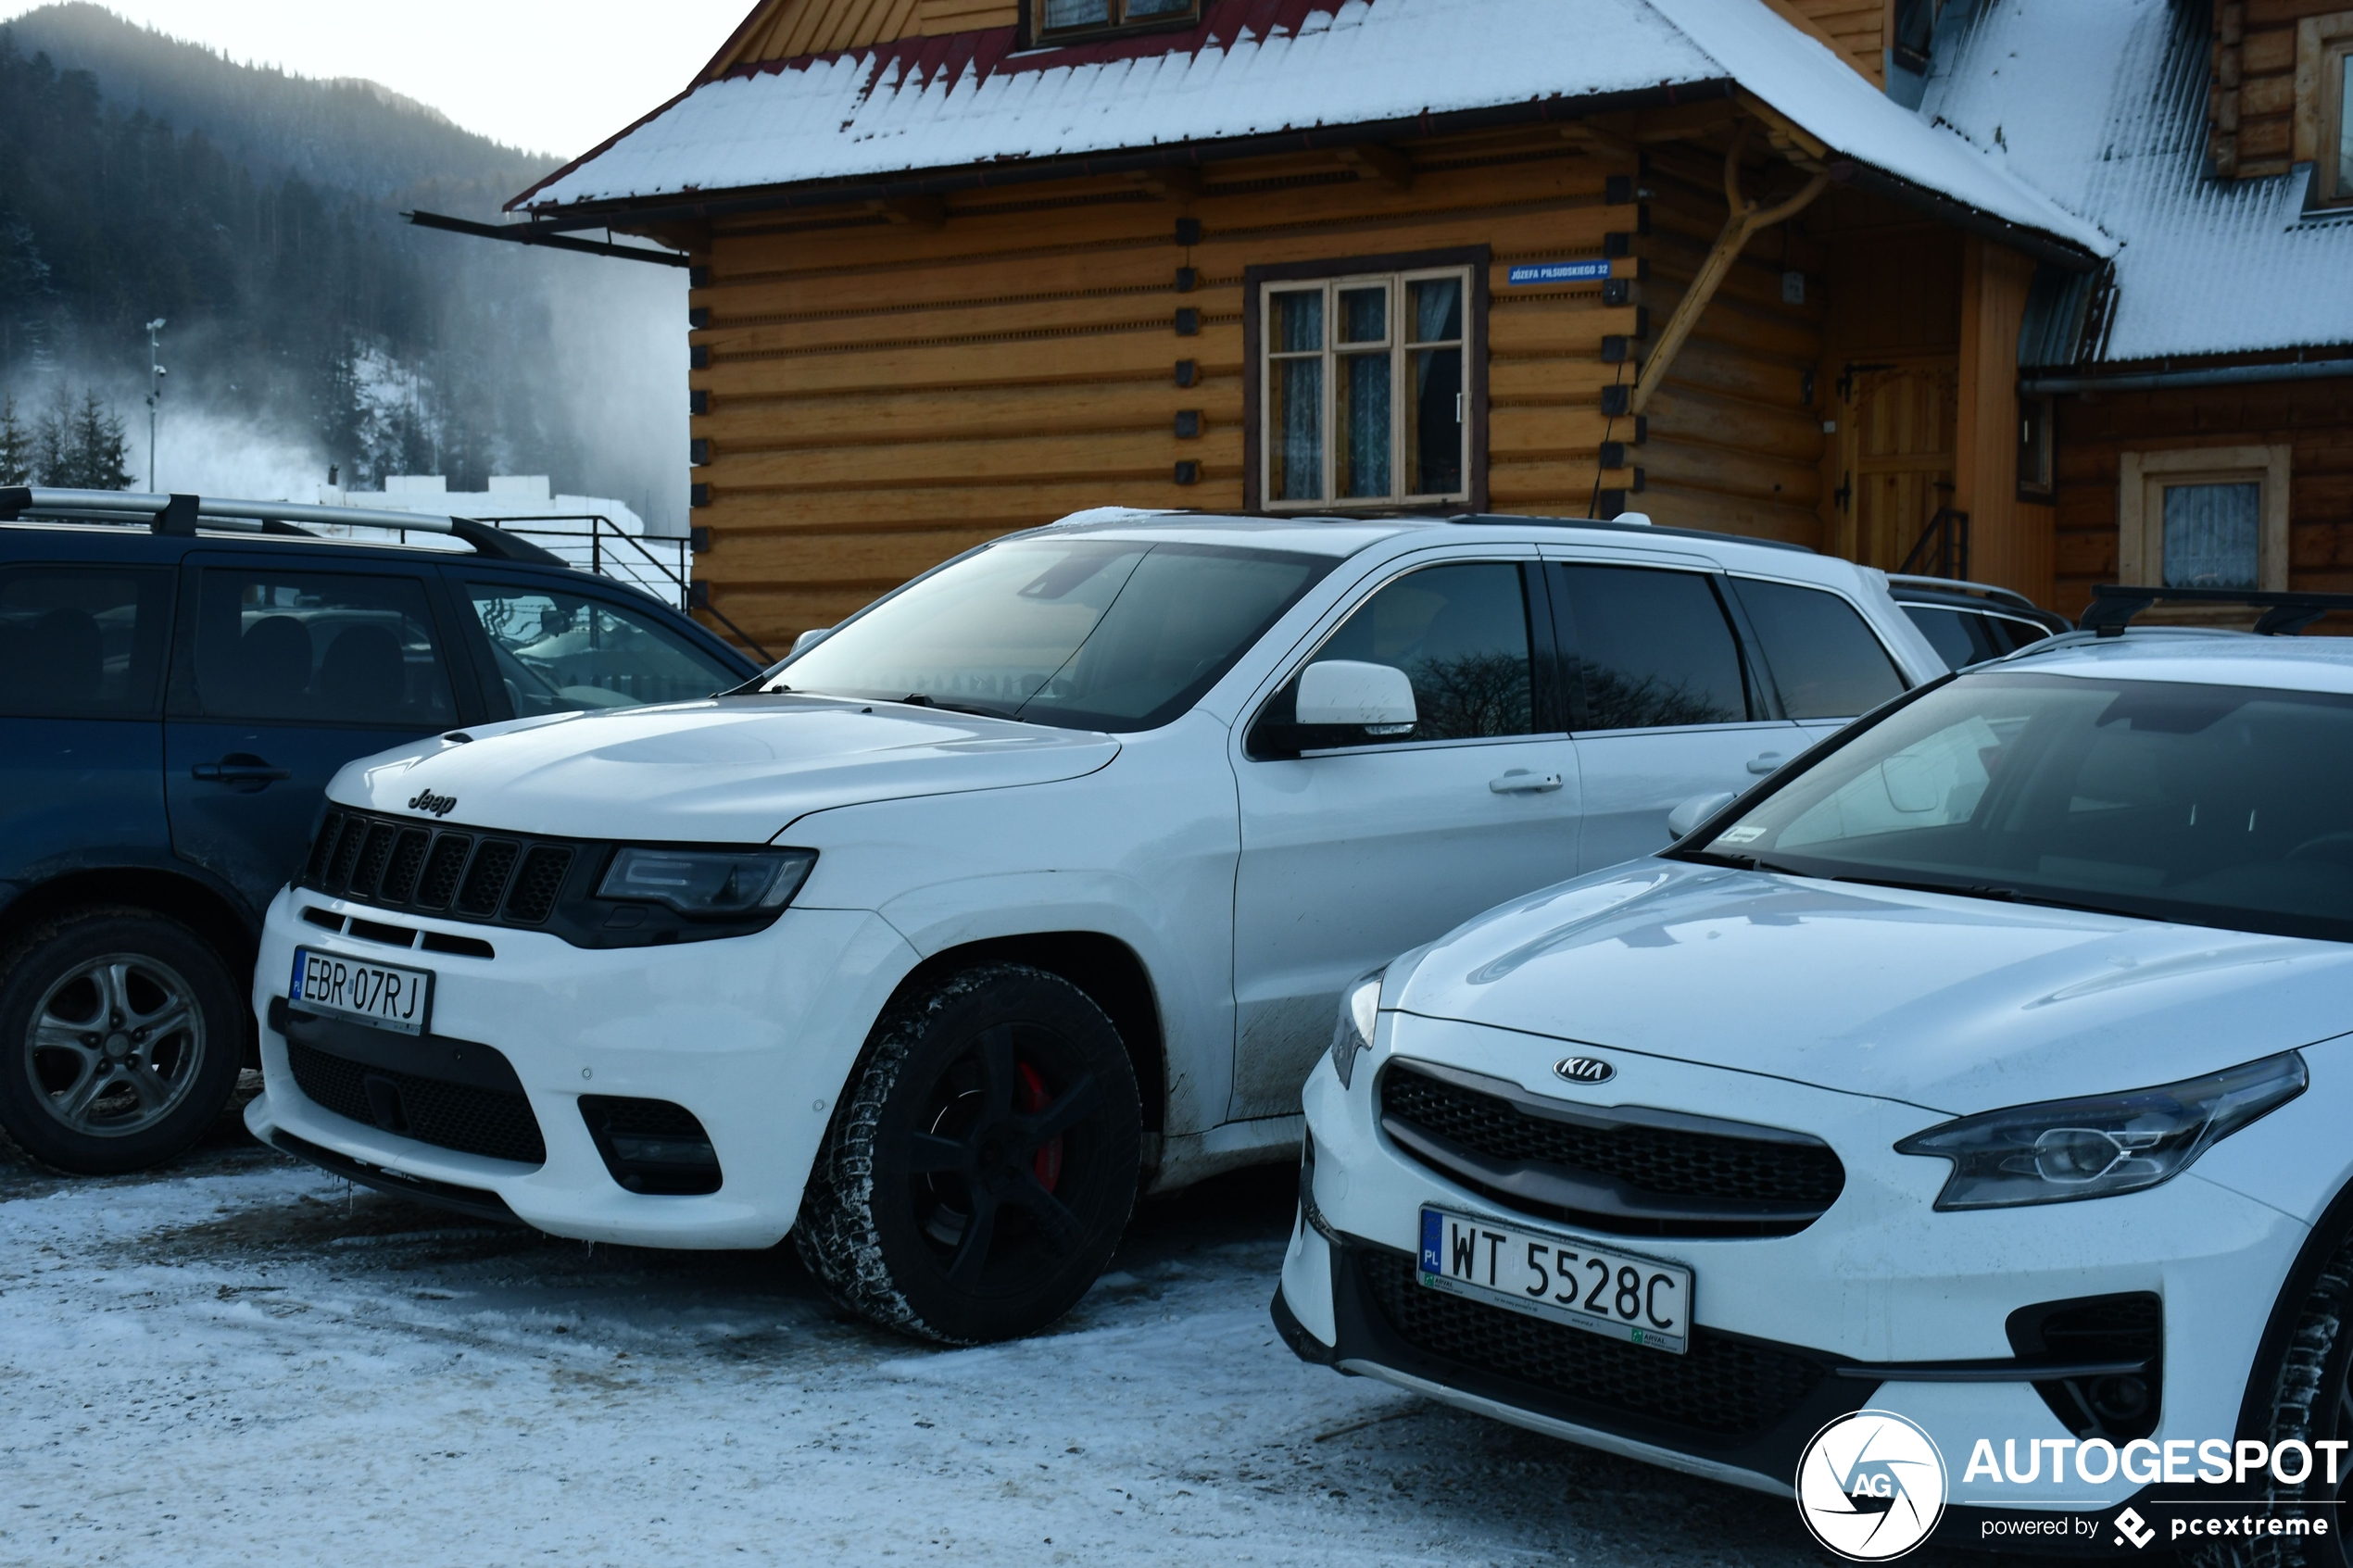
[
  {"x": 388, "y": 996},
  {"x": 1559, "y": 1278}
]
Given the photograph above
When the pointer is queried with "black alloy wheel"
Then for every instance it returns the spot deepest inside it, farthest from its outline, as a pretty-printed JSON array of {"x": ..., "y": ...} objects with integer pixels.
[
  {"x": 121, "y": 1037},
  {"x": 2305, "y": 1392},
  {"x": 984, "y": 1163}
]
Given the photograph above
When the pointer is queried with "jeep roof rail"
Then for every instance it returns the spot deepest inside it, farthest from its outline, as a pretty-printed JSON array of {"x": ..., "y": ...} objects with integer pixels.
[
  {"x": 2009, "y": 599},
  {"x": 2114, "y": 605},
  {"x": 183, "y": 514},
  {"x": 1612, "y": 524}
]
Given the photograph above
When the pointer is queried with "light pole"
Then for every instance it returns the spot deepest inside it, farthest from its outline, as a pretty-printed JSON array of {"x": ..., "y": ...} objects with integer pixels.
[{"x": 155, "y": 394}]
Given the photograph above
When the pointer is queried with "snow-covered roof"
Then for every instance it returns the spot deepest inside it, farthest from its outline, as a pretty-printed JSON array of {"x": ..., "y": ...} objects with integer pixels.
[
  {"x": 2101, "y": 105},
  {"x": 965, "y": 99}
]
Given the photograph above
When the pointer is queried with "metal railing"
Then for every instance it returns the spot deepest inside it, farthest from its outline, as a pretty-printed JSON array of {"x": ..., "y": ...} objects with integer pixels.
[{"x": 1941, "y": 549}]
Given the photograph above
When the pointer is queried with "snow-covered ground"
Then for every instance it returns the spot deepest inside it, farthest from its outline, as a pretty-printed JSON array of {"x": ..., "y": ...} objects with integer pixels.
[{"x": 239, "y": 1361}]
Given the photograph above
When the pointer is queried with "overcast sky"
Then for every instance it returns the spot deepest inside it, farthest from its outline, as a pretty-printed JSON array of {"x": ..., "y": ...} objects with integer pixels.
[{"x": 543, "y": 76}]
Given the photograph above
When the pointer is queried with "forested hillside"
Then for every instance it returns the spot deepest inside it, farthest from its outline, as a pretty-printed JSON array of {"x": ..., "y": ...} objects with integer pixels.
[{"x": 258, "y": 213}]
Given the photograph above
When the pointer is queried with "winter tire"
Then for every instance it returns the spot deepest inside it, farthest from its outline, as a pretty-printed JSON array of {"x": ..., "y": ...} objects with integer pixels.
[
  {"x": 982, "y": 1163},
  {"x": 2308, "y": 1360},
  {"x": 122, "y": 1034}
]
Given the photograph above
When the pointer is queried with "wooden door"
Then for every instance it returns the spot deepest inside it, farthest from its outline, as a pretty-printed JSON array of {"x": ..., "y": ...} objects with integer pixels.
[{"x": 1895, "y": 455}]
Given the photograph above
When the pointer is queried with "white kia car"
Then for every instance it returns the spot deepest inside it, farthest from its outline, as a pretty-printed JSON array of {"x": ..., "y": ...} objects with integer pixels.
[
  {"x": 1989, "y": 1065},
  {"x": 1036, "y": 880}
]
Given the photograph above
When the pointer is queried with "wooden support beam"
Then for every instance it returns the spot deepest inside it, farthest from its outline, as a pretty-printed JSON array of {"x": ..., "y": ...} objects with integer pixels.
[
  {"x": 1178, "y": 182},
  {"x": 925, "y": 212},
  {"x": 1594, "y": 138},
  {"x": 1744, "y": 221},
  {"x": 1373, "y": 161}
]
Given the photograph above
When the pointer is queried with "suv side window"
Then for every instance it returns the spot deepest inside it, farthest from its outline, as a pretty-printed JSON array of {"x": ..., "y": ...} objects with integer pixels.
[
  {"x": 82, "y": 641},
  {"x": 1825, "y": 660},
  {"x": 555, "y": 652},
  {"x": 1460, "y": 632},
  {"x": 1650, "y": 648},
  {"x": 318, "y": 647}
]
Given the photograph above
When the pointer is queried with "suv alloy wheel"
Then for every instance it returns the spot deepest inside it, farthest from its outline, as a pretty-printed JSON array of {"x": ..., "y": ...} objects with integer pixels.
[
  {"x": 983, "y": 1162},
  {"x": 123, "y": 1035}
]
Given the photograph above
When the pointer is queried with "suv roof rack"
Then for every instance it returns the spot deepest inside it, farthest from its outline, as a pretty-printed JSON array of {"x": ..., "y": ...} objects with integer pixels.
[
  {"x": 182, "y": 514},
  {"x": 2114, "y": 605},
  {"x": 2009, "y": 599},
  {"x": 1616, "y": 524}
]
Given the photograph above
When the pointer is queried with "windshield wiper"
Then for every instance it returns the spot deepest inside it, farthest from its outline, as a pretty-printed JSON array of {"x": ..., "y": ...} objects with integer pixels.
[
  {"x": 1741, "y": 863},
  {"x": 919, "y": 699},
  {"x": 2000, "y": 893}
]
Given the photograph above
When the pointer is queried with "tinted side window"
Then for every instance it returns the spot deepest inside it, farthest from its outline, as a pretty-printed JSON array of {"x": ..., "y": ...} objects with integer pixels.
[
  {"x": 1826, "y": 662},
  {"x": 1651, "y": 648},
  {"x": 557, "y": 651},
  {"x": 320, "y": 648},
  {"x": 1959, "y": 637},
  {"x": 1460, "y": 634},
  {"x": 80, "y": 642}
]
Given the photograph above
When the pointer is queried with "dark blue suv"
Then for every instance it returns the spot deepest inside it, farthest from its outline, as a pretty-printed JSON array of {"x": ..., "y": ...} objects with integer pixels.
[{"x": 179, "y": 680}]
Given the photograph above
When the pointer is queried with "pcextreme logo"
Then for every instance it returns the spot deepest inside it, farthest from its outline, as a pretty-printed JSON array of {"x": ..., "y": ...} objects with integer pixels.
[{"x": 1870, "y": 1486}]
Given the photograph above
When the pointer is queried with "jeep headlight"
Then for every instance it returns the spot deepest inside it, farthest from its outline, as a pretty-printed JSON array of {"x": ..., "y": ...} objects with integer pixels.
[
  {"x": 708, "y": 883},
  {"x": 1359, "y": 1011},
  {"x": 2066, "y": 1150}
]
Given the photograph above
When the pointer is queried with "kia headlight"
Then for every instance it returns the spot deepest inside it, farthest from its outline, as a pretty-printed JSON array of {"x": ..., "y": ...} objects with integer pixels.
[
  {"x": 708, "y": 883},
  {"x": 2064, "y": 1149},
  {"x": 1359, "y": 1011}
]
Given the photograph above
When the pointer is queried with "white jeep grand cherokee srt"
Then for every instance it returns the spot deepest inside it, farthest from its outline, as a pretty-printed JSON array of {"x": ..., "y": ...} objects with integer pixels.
[{"x": 1036, "y": 881}]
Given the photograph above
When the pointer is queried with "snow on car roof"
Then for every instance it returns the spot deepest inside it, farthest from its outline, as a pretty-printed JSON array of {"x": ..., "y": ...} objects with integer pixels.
[
  {"x": 2102, "y": 105},
  {"x": 2200, "y": 655},
  {"x": 968, "y": 98}
]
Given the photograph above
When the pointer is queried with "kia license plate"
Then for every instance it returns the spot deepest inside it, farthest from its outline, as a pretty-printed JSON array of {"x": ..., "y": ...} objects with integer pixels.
[
  {"x": 388, "y": 995},
  {"x": 1558, "y": 1277}
]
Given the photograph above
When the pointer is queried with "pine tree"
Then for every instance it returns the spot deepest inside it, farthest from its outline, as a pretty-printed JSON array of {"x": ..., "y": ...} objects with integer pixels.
[
  {"x": 99, "y": 444},
  {"x": 16, "y": 446},
  {"x": 52, "y": 443}
]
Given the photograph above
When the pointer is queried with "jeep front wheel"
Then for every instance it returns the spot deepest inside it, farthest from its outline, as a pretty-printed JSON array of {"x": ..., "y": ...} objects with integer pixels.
[{"x": 983, "y": 1162}]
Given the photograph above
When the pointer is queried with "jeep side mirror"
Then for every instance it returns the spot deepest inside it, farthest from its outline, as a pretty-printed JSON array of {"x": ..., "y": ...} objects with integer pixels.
[
  {"x": 808, "y": 639},
  {"x": 1344, "y": 691},
  {"x": 1695, "y": 810}
]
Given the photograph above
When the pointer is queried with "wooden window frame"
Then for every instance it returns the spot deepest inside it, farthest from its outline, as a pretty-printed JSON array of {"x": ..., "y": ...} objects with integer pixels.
[
  {"x": 1395, "y": 268},
  {"x": 2140, "y": 481},
  {"x": 1032, "y": 32},
  {"x": 2323, "y": 56}
]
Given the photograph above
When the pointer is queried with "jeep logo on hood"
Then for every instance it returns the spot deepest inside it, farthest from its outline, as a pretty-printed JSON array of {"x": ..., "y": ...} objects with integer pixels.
[
  {"x": 1584, "y": 1070},
  {"x": 439, "y": 805}
]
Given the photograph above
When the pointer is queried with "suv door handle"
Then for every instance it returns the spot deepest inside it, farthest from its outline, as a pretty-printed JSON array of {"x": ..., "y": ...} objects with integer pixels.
[
  {"x": 1765, "y": 762},
  {"x": 239, "y": 768},
  {"x": 1519, "y": 781}
]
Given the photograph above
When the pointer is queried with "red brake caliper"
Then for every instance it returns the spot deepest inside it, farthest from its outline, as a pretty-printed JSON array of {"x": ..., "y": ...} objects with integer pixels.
[{"x": 1047, "y": 1165}]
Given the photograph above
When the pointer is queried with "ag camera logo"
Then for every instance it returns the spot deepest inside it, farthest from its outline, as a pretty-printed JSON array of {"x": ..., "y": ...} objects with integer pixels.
[{"x": 1870, "y": 1486}]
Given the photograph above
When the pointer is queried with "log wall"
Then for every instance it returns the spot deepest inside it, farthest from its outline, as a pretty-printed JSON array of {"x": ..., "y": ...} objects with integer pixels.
[{"x": 2314, "y": 419}]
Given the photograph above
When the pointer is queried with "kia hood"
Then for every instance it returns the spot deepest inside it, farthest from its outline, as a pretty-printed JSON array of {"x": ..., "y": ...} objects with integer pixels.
[
  {"x": 735, "y": 770},
  {"x": 1951, "y": 1003}
]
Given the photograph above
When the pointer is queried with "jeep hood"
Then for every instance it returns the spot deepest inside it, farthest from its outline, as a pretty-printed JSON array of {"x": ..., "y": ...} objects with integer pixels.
[
  {"x": 1951, "y": 1003},
  {"x": 736, "y": 771}
]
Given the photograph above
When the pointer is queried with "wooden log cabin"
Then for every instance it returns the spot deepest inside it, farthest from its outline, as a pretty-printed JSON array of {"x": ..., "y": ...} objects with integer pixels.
[{"x": 1856, "y": 275}]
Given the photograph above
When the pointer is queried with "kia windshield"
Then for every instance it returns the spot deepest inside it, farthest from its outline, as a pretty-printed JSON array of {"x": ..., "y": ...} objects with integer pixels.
[
  {"x": 2222, "y": 806},
  {"x": 1083, "y": 633}
]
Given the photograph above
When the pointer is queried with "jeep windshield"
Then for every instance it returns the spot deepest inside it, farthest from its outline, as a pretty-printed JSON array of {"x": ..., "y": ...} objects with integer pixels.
[
  {"x": 1082, "y": 632},
  {"x": 2210, "y": 805}
]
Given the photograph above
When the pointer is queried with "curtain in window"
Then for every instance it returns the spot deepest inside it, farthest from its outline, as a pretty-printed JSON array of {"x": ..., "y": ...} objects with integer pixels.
[
  {"x": 2345, "y": 125},
  {"x": 1433, "y": 406},
  {"x": 1295, "y": 396},
  {"x": 1363, "y": 415},
  {"x": 1061, "y": 14},
  {"x": 2212, "y": 533}
]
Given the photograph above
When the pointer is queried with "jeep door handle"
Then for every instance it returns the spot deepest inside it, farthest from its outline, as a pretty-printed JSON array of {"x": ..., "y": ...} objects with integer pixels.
[
  {"x": 1765, "y": 762},
  {"x": 1519, "y": 781},
  {"x": 239, "y": 768}
]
